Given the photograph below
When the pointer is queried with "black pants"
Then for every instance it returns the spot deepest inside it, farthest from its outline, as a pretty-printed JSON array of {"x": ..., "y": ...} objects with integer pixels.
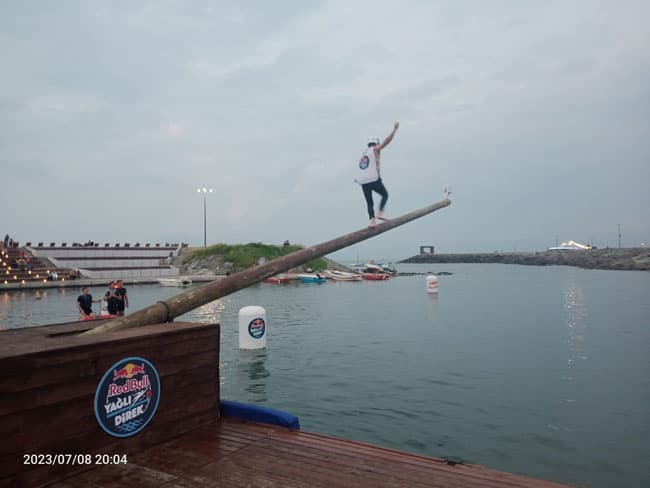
[
  {"x": 379, "y": 187},
  {"x": 112, "y": 306}
]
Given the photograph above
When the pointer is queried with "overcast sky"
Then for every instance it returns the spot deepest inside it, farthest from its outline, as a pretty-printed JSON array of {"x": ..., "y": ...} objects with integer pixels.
[{"x": 536, "y": 113}]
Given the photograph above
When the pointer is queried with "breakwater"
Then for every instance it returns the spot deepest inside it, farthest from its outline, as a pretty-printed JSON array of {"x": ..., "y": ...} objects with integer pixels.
[{"x": 637, "y": 259}]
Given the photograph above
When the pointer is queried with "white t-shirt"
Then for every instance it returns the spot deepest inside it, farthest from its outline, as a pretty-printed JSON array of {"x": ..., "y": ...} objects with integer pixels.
[{"x": 368, "y": 167}]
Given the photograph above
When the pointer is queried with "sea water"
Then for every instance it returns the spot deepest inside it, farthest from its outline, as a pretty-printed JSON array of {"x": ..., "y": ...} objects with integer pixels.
[{"x": 543, "y": 371}]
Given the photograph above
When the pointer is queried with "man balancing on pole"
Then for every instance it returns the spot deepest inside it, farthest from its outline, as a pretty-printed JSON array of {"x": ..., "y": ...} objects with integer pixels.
[{"x": 369, "y": 177}]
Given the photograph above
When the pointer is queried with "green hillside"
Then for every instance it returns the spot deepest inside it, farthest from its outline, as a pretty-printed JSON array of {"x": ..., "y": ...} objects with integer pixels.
[{"x": 244, "y": 256}]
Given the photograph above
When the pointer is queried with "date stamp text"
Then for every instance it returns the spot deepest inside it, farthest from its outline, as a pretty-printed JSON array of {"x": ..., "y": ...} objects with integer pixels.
[{"x": 74, "y": 459}]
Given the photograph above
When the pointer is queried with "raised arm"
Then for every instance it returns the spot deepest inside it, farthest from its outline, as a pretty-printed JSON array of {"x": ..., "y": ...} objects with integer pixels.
[{"x": 388, "y": 139}]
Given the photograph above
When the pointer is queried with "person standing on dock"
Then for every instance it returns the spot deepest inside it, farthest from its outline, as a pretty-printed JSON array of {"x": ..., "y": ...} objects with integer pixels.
[
  {"x": 122, "y": 297},
  {"x": 369, "y": 176},
  {"x": 110, "y": 297},
  {"x": 85, "y": 303}
]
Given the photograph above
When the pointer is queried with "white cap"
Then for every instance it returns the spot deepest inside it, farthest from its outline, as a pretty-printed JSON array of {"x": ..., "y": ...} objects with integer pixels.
[{"x": 373, "y": 140}]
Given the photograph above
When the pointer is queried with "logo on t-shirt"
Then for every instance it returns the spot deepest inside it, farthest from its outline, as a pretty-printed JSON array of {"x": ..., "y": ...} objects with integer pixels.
[{"x": 364, "y": 162}]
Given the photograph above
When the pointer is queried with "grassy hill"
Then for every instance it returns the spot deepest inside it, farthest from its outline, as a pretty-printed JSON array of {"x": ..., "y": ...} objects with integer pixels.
[{"x": 236, "y": 257}]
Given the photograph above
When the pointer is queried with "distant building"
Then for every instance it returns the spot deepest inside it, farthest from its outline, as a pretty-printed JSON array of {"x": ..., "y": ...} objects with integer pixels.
[{"x": 426, "y": 249}]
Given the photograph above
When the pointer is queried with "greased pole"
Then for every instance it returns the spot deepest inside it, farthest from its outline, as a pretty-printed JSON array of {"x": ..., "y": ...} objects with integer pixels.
[{"x": 166, "y": 311}]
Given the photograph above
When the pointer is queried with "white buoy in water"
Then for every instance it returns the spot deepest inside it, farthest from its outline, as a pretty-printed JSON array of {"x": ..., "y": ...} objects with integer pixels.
[
  {"x": 252, "y": 327},
  {"x": 432, "y": 284}
]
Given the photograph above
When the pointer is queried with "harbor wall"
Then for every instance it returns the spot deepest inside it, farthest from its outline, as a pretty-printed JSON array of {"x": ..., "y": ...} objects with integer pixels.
[{"x": 637, "y": 259}]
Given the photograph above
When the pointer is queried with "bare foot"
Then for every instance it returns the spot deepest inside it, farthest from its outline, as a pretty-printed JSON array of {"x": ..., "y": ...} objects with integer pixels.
[
  {"x": 372, "y": 223},
  {"x": 381, "y": 216}
]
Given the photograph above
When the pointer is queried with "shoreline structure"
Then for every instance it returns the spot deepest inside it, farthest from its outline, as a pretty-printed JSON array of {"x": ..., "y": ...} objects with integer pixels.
[{"x": 627, "y": 259}]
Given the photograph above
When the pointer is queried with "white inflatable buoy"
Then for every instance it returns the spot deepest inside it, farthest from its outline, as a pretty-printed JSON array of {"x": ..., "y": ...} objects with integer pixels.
[
  {"x": 252, "y": 327},
  {"x": 432, "y": 284}
]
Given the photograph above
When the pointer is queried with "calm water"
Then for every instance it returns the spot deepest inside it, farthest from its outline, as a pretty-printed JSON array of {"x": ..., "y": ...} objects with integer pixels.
[{"x": 543, "y": 371}]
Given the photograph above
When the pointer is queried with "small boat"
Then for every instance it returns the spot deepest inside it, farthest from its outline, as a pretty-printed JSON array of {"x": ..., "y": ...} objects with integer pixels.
[
  {"x": 342, "y": 275},
  {"x": 375, "y": 272},
  {"x": 376, "y": 276},
  {"x": 388, "y": 269},
  {"x": 375, "y": 268},
  {"x": 96, "y": 317},
  {"x": 181, "y": 281},
  {"x": 312, "y": 278},
  {"x": 277, "y": 279},
  {"x": 103, "y": 314}
]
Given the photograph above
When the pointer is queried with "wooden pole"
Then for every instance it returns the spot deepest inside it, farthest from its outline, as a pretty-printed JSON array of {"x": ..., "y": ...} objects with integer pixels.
[{"x": 166, "y": 311}]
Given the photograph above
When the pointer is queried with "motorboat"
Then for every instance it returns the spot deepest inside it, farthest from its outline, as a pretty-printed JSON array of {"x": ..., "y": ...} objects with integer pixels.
[
  {"x": 388, "y": 269},
  {"x": 180, "y": 281},
  {"x": 342, "y": 275},
  {"x": 571, "y": 246},
  {"x": 312, "y": 278},
  {"x": 375, "y": 268},
  {"x": 375, "y": 272},
  {"x": 277, "y": 279},
  {"x": 376, "y": 276}
]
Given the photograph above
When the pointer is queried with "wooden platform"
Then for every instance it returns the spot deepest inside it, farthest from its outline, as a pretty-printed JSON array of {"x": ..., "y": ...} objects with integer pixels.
[
  {"x": 56, "y": 383},
  {"x": 236, "y": 453},
  {"x": 49, "y": 377}
]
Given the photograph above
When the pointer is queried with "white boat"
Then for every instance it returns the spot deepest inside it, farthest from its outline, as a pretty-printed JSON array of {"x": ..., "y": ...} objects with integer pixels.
[
  {"x": 388, "y": 269},
  {"x": 180, "y": 281},
  {"x": 570, "y": 246},
  {"x": 342, "y": 275}
]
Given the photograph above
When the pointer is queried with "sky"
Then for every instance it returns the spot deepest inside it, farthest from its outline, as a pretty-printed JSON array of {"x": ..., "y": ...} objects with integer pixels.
[{"x": 535, "y": 113}]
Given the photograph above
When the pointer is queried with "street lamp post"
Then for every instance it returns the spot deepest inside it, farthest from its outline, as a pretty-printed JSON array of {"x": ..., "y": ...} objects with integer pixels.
[{"x": 205, "y": 191}]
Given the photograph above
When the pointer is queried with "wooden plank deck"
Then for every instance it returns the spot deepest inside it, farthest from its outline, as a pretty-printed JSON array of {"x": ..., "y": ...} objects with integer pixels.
[
  {"x": 49, "y": 382},
  {"x": 237, "y": 453}
]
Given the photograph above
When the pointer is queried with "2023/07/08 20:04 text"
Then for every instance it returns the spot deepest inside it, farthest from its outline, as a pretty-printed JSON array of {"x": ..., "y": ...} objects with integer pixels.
[{"x": 74, "y": 459}]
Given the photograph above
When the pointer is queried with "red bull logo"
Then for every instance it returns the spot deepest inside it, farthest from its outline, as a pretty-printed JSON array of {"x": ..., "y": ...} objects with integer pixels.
[
  {"x": 127, "y": 397},
  {"x": 364, "y": 162},
  {"x": 128, "y": 371},
  {"x": 129, "y": 385},
  {"x": 256, "y": 328}
]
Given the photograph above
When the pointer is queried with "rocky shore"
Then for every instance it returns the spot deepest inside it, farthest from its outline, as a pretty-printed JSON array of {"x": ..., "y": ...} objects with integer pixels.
[{"x": 637, "y": 259}]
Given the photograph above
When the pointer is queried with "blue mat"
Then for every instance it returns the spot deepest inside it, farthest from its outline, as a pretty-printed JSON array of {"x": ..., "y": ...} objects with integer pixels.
[{"x": 258, "y": 413}]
